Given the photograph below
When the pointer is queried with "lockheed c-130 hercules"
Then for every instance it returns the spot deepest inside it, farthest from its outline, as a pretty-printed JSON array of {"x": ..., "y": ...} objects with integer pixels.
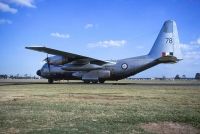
[{"x": 69, "y": 66}]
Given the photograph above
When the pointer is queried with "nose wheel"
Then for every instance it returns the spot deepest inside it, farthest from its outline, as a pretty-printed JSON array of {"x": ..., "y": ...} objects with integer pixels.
[{"x": 50, "y": 81}]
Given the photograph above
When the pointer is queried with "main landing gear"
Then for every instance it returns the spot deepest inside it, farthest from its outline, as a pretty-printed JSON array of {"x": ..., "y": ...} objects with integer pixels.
[
  {"x": 50, "y": 81},
  {"x": 101, "y": 81},
  {"x": 94, "y": 82}
]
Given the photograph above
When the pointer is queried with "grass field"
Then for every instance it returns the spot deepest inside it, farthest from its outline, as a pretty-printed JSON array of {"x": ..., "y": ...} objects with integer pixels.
[{"x": 97, "y": 108}]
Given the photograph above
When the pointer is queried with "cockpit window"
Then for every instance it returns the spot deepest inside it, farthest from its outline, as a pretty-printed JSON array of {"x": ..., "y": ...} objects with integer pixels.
[{"x": 45, "y": 65}]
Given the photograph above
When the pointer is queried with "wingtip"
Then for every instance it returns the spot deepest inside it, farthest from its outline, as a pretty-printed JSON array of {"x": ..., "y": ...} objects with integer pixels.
[{"x": 29, "y": 47}]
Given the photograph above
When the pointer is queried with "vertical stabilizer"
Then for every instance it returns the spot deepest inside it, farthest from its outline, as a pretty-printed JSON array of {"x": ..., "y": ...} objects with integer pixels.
[{"x": 167, "y": 42}]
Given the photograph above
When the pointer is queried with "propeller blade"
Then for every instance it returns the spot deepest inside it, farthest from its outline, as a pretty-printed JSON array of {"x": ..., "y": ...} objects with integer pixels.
[{"x": 47, "y": 59}]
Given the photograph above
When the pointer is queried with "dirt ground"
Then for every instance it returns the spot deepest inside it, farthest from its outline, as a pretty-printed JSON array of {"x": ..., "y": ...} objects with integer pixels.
[{"x": 169, "y": 128}]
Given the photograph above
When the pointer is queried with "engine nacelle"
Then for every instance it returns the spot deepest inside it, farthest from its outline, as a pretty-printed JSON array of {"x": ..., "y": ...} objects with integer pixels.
[
  {"x": 57, "y": 60},
  {"x": 87, "y": 67}
]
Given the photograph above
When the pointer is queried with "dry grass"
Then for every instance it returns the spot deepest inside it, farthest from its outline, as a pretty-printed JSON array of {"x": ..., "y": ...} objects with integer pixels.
[{"x": 102, "y": 108}]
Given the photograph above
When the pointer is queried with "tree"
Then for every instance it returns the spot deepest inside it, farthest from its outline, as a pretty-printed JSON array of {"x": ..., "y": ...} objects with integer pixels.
[
  {"x": 177, "y": 77},
  {"x": 197, "y": 76},
  {"x": 164, "y": 78},
  {"x": 184, "y": 76}
]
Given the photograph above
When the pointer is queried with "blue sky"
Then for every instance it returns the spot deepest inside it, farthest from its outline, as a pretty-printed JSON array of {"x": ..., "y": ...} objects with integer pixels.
[{"x": 103, "y": 29}]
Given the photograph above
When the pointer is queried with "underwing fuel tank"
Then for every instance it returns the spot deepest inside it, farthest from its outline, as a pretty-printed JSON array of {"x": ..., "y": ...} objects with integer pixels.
[{"x": 87, "y": 67}]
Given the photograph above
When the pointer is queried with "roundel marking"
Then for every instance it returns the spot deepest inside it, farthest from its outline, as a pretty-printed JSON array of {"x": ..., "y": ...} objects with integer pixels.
[{"x": 124, "y": 66}]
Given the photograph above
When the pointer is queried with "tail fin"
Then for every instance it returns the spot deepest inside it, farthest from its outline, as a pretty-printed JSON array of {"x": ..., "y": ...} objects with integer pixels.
[{"x": 167, "y": 42}]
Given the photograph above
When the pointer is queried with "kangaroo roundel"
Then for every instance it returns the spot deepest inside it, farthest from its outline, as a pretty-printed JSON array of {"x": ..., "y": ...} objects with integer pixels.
[{"x": 124, "y": 66}]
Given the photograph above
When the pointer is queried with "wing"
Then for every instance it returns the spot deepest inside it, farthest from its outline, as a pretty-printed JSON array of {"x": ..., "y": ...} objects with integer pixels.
[{"x": 70, "y": 56}]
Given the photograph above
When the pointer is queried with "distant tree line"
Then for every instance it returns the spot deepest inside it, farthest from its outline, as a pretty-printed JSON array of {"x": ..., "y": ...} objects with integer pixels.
[
  {"x": 177, "y": 77},
  {"x": 3, "y": 76},
  {"x": 197, "y": 77},
  {"x": 17, "y": 76}
]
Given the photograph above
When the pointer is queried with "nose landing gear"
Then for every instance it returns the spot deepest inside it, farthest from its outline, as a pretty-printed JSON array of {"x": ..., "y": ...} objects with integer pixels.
[{"x": 38, "y": 72}]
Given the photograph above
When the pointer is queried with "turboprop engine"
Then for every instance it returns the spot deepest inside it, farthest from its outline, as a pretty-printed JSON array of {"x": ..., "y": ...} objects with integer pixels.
[{"x": 57, "y": 60}]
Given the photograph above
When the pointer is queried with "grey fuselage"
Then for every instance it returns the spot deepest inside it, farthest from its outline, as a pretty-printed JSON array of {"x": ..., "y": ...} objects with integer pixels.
[{"x": 120, "y": 70}]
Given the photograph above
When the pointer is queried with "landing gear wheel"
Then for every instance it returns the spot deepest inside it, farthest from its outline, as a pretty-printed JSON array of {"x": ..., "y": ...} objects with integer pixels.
[
  {"x": 86, "y": 81},
  {"x": 101, "y": 81},
  {"x": 94, "y": 82},
  {"x": 50, "y": 81}
]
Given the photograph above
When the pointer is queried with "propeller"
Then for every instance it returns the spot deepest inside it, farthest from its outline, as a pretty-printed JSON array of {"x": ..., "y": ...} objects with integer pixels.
[{"x": 47, "y": 59}]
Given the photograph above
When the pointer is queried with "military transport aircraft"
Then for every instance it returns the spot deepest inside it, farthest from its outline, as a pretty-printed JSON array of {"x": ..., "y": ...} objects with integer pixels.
[{"x": 69, "y": 66}]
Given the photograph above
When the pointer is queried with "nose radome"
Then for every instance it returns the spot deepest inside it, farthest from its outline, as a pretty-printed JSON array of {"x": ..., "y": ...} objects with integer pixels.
[{"x": 38, "y": 73}]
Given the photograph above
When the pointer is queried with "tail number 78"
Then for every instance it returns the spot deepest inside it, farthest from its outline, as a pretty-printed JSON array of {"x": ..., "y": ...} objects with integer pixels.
[{"x": 169, "y": 40}]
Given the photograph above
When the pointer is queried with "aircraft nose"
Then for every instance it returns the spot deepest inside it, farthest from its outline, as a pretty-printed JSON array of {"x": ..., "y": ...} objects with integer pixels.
[{"x": 38, "y": 72}]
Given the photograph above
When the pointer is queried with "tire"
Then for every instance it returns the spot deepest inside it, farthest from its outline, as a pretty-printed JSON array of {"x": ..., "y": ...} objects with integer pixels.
[
  {"x": 94, "y": 82},
  {"x": 86, "y": 81},
  {"x": 101, "y": 81},
  {"x": 50, "y": 81}
]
